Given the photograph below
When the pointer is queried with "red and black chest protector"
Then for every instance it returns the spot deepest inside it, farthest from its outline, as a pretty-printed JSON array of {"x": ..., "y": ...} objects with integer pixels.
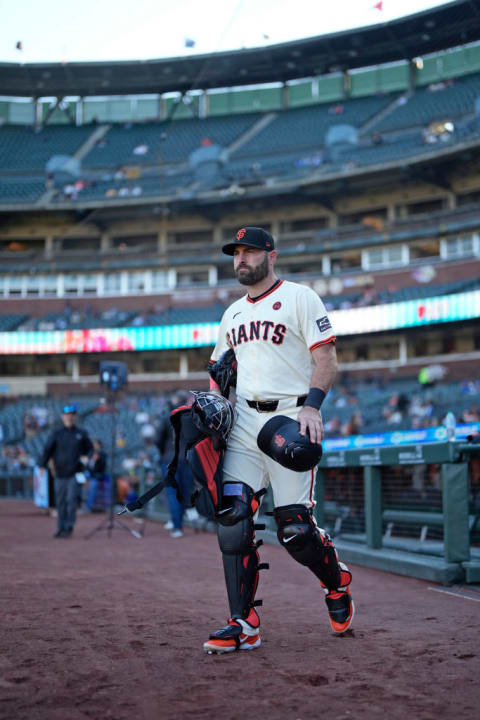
[{"x": 204, "y": 455}]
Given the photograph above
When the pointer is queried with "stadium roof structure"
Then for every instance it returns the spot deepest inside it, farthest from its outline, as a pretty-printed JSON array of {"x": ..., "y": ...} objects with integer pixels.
[{"x": 453, "y": 24}]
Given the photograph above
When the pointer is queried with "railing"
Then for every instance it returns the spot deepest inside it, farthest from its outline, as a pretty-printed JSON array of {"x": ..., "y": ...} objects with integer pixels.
[
  {"x": 411, "y": 509},
  {"x": 16, "y": 483}
]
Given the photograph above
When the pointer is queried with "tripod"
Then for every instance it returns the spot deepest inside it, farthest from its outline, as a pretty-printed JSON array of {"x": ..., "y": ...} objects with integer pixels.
[{"x": 111, "y": 521}]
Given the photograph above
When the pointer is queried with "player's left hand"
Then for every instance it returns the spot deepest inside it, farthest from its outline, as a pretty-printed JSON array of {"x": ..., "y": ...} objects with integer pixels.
[{"x": 310, "y": 418}]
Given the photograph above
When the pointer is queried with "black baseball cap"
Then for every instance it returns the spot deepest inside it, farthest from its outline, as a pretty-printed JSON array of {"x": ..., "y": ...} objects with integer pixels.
[{"x": 252, "y": 237}]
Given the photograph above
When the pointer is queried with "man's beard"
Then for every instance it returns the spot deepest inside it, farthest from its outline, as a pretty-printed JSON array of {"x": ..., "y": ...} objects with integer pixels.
[{"x": 252, "y": 276}]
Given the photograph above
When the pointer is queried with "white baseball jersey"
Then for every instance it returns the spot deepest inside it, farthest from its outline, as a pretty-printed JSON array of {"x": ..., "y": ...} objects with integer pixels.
[{"x": 273, "y": 337}]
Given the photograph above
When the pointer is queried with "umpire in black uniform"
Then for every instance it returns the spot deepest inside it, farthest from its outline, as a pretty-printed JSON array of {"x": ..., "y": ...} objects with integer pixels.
[{"x": 66, "y": 446}]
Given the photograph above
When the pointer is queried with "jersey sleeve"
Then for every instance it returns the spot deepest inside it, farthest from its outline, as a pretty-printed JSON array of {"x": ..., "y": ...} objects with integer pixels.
[
  {"x": 222, "y": 341},
  {"x": 314, "y": 322}
]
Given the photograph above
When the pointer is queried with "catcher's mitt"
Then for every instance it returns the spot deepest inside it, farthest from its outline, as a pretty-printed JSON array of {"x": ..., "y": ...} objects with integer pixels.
[{"x": 224, "y": 372}]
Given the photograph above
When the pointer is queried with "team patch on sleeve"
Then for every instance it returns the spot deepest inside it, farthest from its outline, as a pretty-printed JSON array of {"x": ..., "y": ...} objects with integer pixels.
[{"x": 324, "y": 324}]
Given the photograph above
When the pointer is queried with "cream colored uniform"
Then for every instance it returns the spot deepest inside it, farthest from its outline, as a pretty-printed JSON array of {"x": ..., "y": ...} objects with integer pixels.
[{"x": 273, "y": 337}]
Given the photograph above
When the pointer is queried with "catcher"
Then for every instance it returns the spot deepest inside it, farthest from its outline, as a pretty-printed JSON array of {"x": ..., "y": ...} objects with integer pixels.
[{"x": 276, "y": 344}]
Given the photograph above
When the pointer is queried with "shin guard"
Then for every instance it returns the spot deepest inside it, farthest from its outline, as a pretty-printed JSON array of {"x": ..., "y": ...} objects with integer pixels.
[
  {"x": 297, "y": 531},
  {"x": 236, "y": 538}
]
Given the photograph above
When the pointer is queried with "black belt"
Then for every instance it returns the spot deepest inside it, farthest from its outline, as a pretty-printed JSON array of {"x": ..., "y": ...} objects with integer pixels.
[{"x": 271, "y": 405}]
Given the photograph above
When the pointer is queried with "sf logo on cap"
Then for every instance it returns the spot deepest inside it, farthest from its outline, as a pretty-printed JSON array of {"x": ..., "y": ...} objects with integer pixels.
[{"x": 241, "y": 234}]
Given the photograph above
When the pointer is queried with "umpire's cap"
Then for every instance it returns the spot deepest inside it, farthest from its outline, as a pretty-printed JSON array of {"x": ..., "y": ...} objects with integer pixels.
[
  {"x": 252, "y": 237},
  {"x": 69, "y": 409},
  {"x": 280, "y": 439}
]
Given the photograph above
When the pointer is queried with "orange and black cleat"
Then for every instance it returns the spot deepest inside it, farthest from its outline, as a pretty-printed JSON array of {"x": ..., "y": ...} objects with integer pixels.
[
  {"x": 239, "y": 634},
  {"x": 341, "y": 609}
]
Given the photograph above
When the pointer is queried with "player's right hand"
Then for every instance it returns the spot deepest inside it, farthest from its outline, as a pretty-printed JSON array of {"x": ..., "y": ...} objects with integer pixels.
[{"x": 310, "y": 418}]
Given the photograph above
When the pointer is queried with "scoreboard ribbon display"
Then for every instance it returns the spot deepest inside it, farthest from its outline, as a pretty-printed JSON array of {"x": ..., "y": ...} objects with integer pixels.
[{"x": 377, "y": 318}]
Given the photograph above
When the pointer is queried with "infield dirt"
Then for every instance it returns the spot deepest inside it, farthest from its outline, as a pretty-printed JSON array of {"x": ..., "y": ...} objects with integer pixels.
[{"x": 112, "y": 628}]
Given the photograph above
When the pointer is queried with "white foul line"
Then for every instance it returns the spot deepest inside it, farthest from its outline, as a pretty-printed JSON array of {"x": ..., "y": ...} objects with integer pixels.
[{"x": 448, "y": 592}]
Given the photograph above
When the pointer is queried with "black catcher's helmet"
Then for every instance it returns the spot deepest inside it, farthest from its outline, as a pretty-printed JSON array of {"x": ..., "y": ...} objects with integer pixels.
[
  {"x": 213, "y": 414},
  {"x": 280, "y": 439}
]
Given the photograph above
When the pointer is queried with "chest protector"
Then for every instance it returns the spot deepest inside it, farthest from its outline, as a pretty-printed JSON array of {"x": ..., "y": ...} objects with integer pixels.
[{"x": 203, "y": 431}]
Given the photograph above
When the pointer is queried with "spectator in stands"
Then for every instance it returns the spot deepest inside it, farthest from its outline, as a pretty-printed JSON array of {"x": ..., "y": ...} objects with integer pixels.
[
  {"x": 142, "y": 417},
  {"x": 121, "y": 440},
  {"x": 30, "y": 426},
  {"x": 148, "y": 431},
  {"x": 395, "y": 410},
  {"x": 95, "y": 472},
  {"x": 471, "y": 414},
  {"x": 41, "y": 416},
  {"x": 68, "y": 447},
  {"x": 342, "y": 399},
  {"x": 49, "y": 181},
  {"x": 353, "y": 426},
  {"x": 470, "y": 387},
  {"x": 415, "y": 410},
  {"x": 432, "y": 374},
  {"x": 391, "y": 412},
  {"x": 332, "y": 426},
  {"x": 141, "y": 150},
  {"x": 336, "y": 110},
  {"x": 368, "y": 297},
  {"x": 4, "y": 460},
  {"x": 14, "y": 459}
]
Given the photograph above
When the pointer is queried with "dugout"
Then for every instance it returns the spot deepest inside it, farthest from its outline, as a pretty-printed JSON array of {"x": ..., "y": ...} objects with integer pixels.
[{"x": 413, "y": 510}]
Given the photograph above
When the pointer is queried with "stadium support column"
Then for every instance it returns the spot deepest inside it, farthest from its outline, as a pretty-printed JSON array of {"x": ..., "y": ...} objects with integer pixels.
[
  {"x": 402, "y": 350},
  {"x": 74, "y": 368},
  {"x": 172, "y": 279},
  {"x": 203, "y": 105},
  {"x": 183, "y": 365},
  {"x": 37, "y": 113},
  {"x": 412, "y": 76},
  {"x": 451, "y": 200},
  {"x": 162, "y": 240},
  {"x": 49, "y": 246},
  {"x": 104, "y": 242},
  {"x": 276, "y": 230}
]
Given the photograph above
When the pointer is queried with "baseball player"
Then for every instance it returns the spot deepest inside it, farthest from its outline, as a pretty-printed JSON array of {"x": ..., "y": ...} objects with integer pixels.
[{"x": 285, "y": 354}]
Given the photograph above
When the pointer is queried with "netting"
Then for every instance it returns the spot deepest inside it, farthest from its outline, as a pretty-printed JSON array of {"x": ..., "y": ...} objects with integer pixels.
[
  {"x": 474, "y": 500},
  {"x": 344, "y": 509}
]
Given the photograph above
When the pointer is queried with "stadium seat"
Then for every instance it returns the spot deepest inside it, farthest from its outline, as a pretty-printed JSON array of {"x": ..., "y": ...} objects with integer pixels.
[{"x": 22, "y": 148}]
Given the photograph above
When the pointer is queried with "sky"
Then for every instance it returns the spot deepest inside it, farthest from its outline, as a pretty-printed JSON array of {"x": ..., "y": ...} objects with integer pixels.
[{"x": 102, "y": 30}]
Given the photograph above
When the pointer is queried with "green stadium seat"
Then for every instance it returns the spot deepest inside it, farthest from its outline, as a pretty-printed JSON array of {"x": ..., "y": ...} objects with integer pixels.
[
  {"x": 21, "y": 148},
  {"x": 425, "y": 106}
]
